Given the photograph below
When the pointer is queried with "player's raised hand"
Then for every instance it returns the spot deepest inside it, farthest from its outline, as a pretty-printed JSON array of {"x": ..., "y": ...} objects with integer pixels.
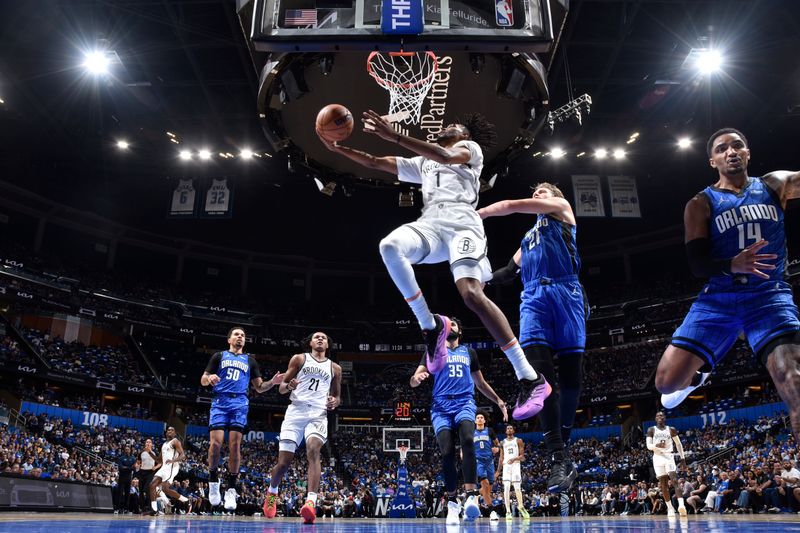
[
  {"x": 377, "y": 125},
  {"x": 330, "y": 145},
  {"x": 277, "y": 378},
  {"x": 504, "y": 410},
  {"x": 749, "y": 261},
  {"x": 418, "y": 378},
  {"x": 213, "y": 379},
  {"x": 332, "y": 403}
]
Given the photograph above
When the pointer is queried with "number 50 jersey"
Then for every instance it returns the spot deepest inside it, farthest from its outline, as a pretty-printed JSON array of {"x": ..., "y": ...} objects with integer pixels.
[{"x": 235, "y": 372}]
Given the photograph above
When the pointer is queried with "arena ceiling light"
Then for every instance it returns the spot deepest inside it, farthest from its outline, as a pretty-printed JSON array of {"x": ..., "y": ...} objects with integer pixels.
[
  {"x": 684, "y": 143},
  {"x": 709, "y": 61},
  {"x": 122, "y": 145},
  {"x": 246, "y": 153},
  {"x": 186, "y": 155},
  {"x": 557, "y": 153},
  {"x": 204, "y": 154},
  {"x": 619, "y": 153},
  {"x": 601, "y": 153},
  {"x": 96, "y": 62}
]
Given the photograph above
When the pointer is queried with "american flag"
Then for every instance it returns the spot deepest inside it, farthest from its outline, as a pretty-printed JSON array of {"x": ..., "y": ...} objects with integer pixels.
[{"x": 301, "y": 17}]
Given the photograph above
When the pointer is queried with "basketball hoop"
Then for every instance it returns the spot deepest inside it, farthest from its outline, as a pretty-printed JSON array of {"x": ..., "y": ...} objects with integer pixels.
[
  {"x": 408, "y": 76},
  {"x": 403, "y": 453}
]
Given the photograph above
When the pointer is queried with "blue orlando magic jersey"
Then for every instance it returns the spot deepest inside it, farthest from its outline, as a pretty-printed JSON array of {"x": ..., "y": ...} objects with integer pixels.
[
  {"x": 549, "y": 250},
  {"x": 483, "y": 443},
  {"x": 739, "y": 220},
  {"x": 234, "y": 372},
  {"x": 455, "y": 378}
]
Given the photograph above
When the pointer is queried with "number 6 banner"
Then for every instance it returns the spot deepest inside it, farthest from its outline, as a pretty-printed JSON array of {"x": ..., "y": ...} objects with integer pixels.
[
  {"x": 183, "y": 199},
  {"x": 218, "y": 199}
]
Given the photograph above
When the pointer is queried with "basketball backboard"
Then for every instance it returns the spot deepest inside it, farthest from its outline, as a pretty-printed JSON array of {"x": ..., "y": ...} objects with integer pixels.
[
  {"x": 338, "y": 25},
  {"x": 412, "y": 438}
]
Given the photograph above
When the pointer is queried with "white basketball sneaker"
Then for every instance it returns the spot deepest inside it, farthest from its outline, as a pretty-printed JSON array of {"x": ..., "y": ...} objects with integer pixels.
[
  {"x": 494, "y": 516},
  {"x": 471, "y": 509},
  {"x": 674, "y": 399},
  {"x": 453, "y": 512},
  {"x": 213, "y": 493},
  {"x": 230, "y": 500}
]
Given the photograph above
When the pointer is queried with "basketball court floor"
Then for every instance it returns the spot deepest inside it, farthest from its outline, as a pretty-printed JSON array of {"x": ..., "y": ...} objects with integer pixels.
[{"x": 92, "y": 523}]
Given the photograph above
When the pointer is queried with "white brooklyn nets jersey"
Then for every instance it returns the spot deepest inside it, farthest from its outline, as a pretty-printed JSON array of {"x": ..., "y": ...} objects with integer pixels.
[
  {"x": 314, "y": 383},
  {"x": 445, "y": 183},
  {"x": 168, "y": 451},
  {"x": 511, "y": 472},
  {"x": 663, "y": 435}
]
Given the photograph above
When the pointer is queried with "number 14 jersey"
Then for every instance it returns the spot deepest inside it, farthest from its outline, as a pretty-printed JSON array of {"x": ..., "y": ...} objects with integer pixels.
[{"x": 313, "y": 383}]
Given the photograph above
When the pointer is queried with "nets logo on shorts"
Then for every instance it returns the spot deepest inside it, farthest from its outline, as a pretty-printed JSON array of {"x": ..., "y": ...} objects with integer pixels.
[{"x": 466, "y": 246}]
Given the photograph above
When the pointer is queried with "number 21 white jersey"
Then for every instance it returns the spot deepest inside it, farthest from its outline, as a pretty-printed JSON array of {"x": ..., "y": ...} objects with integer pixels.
[{"x": 314, "y": 383}]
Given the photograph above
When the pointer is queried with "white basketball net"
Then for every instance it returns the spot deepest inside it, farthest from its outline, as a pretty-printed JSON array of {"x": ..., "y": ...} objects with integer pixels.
[
  {"x": 408, "y": 76},
  {"x": 403, "y": 453}
]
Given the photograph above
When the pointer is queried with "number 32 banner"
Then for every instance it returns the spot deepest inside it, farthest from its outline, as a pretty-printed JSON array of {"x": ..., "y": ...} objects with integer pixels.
[{"x": 218, "y": 200}]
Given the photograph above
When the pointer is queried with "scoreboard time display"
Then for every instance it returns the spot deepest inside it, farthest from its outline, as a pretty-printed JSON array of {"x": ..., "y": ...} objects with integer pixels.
[{"x": 402, "y": 411}]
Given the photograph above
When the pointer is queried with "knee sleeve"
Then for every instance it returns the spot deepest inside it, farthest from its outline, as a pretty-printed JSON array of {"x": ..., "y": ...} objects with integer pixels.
[
  {"x": 287, "y": 446},
  {"x": 447, "y": 448},
  {"x": 469, "y": 464},
  {"x": 541, "y": 358}
]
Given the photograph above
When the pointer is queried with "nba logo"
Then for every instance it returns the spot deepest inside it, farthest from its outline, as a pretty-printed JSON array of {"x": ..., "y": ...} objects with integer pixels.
[{"x": 504, "y": 13}]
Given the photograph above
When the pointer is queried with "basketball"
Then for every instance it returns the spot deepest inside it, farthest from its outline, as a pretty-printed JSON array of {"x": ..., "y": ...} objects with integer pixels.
[{"x": 334, "y": 122}]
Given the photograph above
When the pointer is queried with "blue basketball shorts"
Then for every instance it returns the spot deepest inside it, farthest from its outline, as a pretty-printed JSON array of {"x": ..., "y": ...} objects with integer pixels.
[
  {"x": 448, "y": 414},
  {"x": 486, "y": 468},
  {"x": 229, "y": 412},
  {"x": 763, "y": 313},
  {"x": 554, "y": 315}
]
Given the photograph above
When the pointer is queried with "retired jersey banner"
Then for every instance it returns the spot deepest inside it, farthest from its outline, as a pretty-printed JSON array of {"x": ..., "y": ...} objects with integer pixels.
[
  {"x": 588, "y": 196},
  {"x": 218, "y": 199},
  {"x": 624, "y": 197},
  {"x": 183, "y": 199}
]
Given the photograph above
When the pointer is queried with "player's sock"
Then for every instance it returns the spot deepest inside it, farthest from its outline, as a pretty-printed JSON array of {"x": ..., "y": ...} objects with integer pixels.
[
  {"x": 154, "y": 506},
  {"x": 420, "y": 309},
  {"x": 312, "y": 497},
  {"x": 452, "y": 497},
  {"x": 213, "y": 475},
  {"x": 273, "y": 490},
  {"x": 233, "y": 481},
  {"x": 522, "y": 368},
  {"x": 681, "y": 503}
]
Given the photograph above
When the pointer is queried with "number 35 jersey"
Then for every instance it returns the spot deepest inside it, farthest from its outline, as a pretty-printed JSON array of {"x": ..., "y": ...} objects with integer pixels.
[
  {"x": 313, "y": 383},
  {"x": 740, "y": 220},
  {"x": 235, "y": 372}
]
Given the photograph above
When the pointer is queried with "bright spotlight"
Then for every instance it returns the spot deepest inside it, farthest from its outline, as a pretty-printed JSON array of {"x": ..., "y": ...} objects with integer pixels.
[
  {"x": 619, "y": 153},
  {"x": 96, "y": 63},
  {"x": 557, "y": 153},
  {"x": 709, "y": 61},
  {"x": 185, "y": 155},
  {"x": 122, "y": 145},
  {"x": 204, "y": 154},
  {"x": 684, "y": 143},
  {"x": 601, "y": 153},
  {"x": 246, "y": 154}
]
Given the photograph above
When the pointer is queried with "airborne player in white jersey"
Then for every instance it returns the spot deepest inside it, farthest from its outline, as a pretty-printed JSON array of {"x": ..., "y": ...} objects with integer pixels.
[
  {"x": 315, "y": 384},
  {"x": 660, "y": 439},
  {"x": 449, "y": 229}
]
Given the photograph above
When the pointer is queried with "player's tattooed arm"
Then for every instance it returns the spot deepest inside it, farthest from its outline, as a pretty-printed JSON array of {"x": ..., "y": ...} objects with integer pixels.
[
  {"x": 555, "y": 206},
  {"x": 420, "y": 375},
  {"x": 785, "y": 183},
  {"x": 262, "y": 386},
  {"x": 335, "y": 396},
  {"x": 289, "y": 382},
  {"x": 386, "y": 163},
  {"x": 209, "y": 377}
]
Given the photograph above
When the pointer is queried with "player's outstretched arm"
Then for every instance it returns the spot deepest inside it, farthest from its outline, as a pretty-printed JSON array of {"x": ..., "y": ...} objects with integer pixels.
[
  {"x": 506, "y": 274},
  {"x": 386, "y": 163},
  {"x": 484, "y": 388},
  {"x": 377, "y": 125},
  {"x": 289, "y": 382},
  {"x": 786, "y": 183},
  {"x": 420, "y": 375},
  {"x": 262, "y": 386},
  {"x": 335, "y": 395},
  {"x": 534, "y": 206}
]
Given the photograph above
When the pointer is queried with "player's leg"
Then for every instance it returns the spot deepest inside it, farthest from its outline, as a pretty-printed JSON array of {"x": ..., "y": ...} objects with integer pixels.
[
  {"x": 469, "y": 463},
  {"x": 772, "y": 328},
  {"x": 153, "y": 489},
  {"x": 520, "y": 500},
  {"x": 291, "y": 433},
  {"x": 663, "y": 483},
  {"x": 234, "y": 461},
  {"x": 316, "y": 435},
  {"x": 673, "y": 479},
  {"x": 218, "y": 421},
  {"x": 507, "y": 495},
  {"x": 406, "y": 246}
]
